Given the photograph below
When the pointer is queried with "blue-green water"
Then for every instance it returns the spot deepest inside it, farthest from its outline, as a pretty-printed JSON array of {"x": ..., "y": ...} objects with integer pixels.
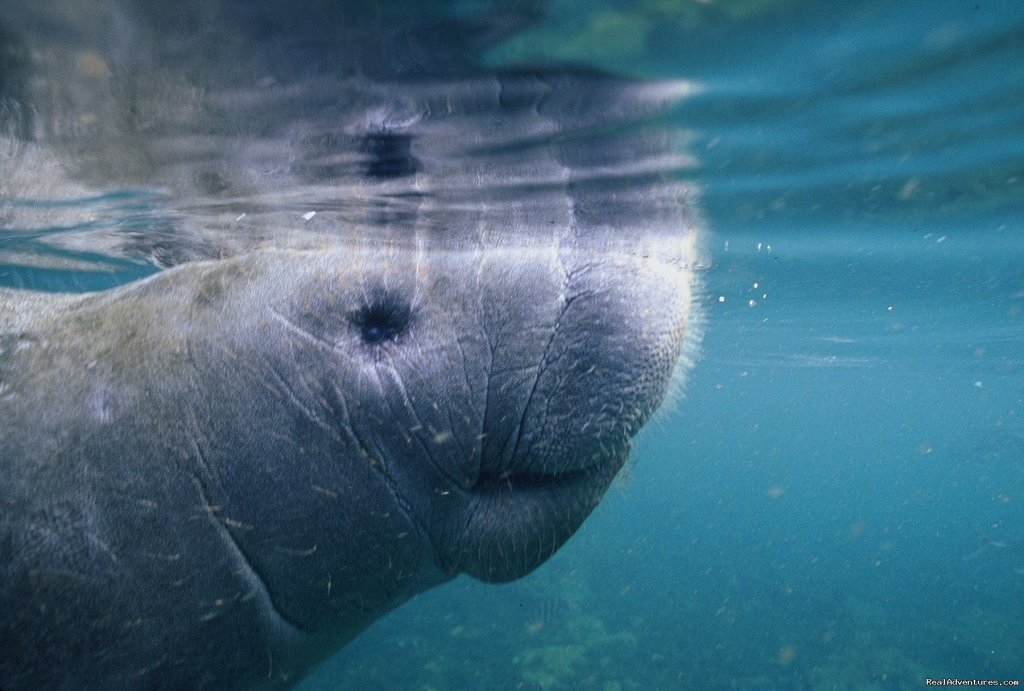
[{"x": 838, "y": 501}]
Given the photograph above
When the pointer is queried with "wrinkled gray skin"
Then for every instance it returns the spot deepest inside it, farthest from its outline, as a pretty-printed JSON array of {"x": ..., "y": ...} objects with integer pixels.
[
  {"x": 221, "y": 474},
  {"x": 217, "y": 476}
]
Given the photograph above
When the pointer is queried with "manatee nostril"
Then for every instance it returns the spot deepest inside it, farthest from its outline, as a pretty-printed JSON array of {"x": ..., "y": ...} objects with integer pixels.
[
  {"x": 384, "y": 320},
  {"x": 374, "y": 333}
]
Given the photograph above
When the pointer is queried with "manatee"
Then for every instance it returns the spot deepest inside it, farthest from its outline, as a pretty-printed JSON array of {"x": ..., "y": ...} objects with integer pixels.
[{"x": 220, "y": 474}]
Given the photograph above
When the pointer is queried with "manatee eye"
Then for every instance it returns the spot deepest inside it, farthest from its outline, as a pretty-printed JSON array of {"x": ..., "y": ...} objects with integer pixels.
[{"x": 384, "y": 320}]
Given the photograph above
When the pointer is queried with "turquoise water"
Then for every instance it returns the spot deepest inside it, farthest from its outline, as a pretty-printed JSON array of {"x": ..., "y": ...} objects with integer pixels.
[{"x": 838, "y": 500}]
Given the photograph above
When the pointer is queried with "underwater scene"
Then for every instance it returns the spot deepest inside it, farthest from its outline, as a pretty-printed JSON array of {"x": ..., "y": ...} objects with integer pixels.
[{"x": 835, "y": 498}]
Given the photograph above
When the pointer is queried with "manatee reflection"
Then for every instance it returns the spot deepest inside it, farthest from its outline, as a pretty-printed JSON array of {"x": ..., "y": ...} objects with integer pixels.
[{"x": 248, "y": 117}]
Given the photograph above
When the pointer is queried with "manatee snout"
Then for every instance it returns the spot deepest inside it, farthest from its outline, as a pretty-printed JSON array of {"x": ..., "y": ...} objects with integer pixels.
[{"x": 603, "y": 352}]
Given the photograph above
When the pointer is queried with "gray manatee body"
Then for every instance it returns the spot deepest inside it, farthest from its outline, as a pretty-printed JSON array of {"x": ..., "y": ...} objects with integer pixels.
[
  {"x": 413, "y": 309},
  {"x": 219, "y": 475}
]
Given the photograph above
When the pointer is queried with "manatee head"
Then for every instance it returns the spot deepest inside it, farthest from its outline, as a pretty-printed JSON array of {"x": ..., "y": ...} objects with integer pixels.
[
  {"x": 249, "y": 460},
  {"x": 498, "y": 390},
  {"x": 416, "y": 411}
]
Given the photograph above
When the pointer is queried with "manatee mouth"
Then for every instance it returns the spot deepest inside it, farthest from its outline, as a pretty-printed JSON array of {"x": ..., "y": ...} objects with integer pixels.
[
  {"x": 530, "y": 481},
  {"x": 517, "y": 520}
]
